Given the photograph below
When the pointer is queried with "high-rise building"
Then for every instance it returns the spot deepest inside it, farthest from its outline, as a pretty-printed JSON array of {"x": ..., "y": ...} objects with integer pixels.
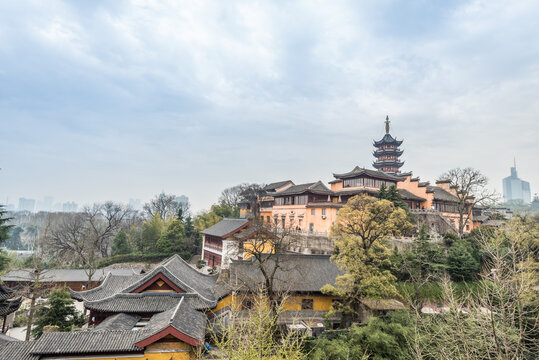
[
  {"x": 515, "y": 189},
  {"x": 387, "y": 153},
  {"x": 27, "y": 204}
]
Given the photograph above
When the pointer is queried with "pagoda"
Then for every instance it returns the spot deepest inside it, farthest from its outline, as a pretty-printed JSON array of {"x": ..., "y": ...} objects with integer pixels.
[{"x": 387, "y": 153}]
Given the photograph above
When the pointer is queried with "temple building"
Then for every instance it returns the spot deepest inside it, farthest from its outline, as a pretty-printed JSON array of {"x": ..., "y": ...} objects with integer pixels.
[
  {"x": 8, "y": 305},
  {"x": 387, "y": 153},
  {"x": 312, "y": 208},
  {"x": 168, "y": 312}
]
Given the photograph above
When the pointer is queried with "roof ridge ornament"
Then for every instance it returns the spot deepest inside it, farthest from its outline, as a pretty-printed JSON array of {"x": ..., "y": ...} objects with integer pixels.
[{"x": 387, "y": 124}]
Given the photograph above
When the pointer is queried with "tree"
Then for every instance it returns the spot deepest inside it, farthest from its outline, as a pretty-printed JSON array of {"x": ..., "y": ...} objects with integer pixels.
[
  {"x": 172, "y": 240},
  {"x": 266, "y": 247},
  {"x": 120, "y": 244},
  {"x": 256, "y": 336},
  {"x": 103, "y": 221},
  {"x": 151, "y": 232},
  {"x": 59, "y": 311},
  {"x": 216, "y": 214},
  {"x": 363, "y": 225},
  {"x": 422, "y": 263},
  {"x": 381, "y": 338},
  {"x": 165, "y": 206},
  {"x": 501, "y": 320},
  {"x": 251, "y": 195},
  {"x": 4, "y": 226},
  {"x": 470, "y": 186},
  {"x": 14, "y": 241},
  {"x": 231, "y": 196},
  {"x": 461, "y": 264}
]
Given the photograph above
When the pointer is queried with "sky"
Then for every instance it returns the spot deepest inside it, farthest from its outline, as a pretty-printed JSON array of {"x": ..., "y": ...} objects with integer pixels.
[{"x": 112, "y": 100}]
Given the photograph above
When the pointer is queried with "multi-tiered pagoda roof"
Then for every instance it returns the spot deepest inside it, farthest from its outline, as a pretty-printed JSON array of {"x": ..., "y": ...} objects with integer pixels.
[{"x": 387, "y": 153}]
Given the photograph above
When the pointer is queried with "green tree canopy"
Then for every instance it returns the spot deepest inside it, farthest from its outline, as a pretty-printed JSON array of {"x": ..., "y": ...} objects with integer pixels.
[
  {"x": 151, "y": 232},
  {"x": 4, "y": 226},
  {"x": 173, "y": 238},
  {"x": 59, "y": 310},
  {"x": 363, "y": 226},
  {"x": 216, "y": 214},
  {"x": 120, "y": 244},
  {"x": 461, "y": 263}
]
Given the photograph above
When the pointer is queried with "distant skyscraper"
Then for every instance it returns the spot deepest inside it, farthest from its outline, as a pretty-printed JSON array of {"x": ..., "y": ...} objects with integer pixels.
[
  {"x": 515, "y": 188},
  {"x": 69, "y": 206},
  {"x": 27, "y": 204},
  {"x": 182, "y": 199}
]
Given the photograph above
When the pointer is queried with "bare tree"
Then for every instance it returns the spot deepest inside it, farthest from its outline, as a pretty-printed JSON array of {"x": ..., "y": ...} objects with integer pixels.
[
  {"x": 251, "y": 194},
  {"x": 104, "y": 221},
  {"x": 471, "y": 191},
  {"x": 166, "y": 206},
  {"x": 231, "y": 196},
  {"x": 501, "y": 319},
  {"x": 266, "y": 247}
]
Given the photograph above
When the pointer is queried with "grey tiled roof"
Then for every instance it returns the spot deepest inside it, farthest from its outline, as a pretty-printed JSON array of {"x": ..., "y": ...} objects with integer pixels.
[
  {"x": 184, "y": 276},
  {"x": 136, "y": 303},
  {"x": 296, "y": 272},
  {"x": 315, "y": 188},
  {"x": 87, "y": 342},
  {"x": 121, "y": 321},
  {"x": 183, "y": 317},
  {"x": 5, "y": 292},
  {"x": 406, "y": 195},
  {"x": 110, "y": 286},
  {"x": 274, "y": 186},
  {"x": 441, "y": 194},
  {"x": 4, "y": 339},
  {"x": 387, "y": 139},
  {"x": 18, "y": 350},
  {"x": 66, "y": 275},
  {"x": 357, "y": 171},
  {"x": 225, "y": 227},
  {"x": 9, "y": 306}
]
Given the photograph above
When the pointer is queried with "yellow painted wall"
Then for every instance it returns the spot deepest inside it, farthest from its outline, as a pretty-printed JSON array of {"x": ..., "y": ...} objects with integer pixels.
[{"x": 293, "y": 303}]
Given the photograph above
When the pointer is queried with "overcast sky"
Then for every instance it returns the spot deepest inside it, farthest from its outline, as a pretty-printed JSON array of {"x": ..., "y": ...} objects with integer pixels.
[{"x": 118, "y": 99}]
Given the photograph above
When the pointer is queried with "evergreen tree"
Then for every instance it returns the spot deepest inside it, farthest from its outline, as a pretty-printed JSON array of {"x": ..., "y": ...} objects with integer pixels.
[
  {"x": 461, "y": 264},
  {"x": 4, "y": 227},
  {"x": 60, "y": 311},
  {"x": 151, "y": 232},
  {"x": 120, "y": 244},
  {"x": 382, "y": 193},
  {"x": 173, "y": 238}
]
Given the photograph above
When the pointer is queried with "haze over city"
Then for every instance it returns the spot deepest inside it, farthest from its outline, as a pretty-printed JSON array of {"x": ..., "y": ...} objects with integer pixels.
[{"x": 114, "y": 100}]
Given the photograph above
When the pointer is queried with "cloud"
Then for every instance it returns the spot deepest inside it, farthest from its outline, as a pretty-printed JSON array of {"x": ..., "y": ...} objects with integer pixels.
[{"x": 128, "y": 98}]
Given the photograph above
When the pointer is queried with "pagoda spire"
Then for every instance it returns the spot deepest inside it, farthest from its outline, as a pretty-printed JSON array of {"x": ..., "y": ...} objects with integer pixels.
[{"x": 387, "y": 152}]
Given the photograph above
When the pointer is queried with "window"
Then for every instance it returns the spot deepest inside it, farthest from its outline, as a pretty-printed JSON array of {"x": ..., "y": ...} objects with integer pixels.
[
  {"x": 313, "y": 212},
  {"x": 307, "y": 304},
  {"x": 247, "y": 304},
  {"x": 323, "y": 211},
  {"x": 261, "y": 219},
  {"x": 283, "y": 219},
  {"x": 268, "y": 219},
  {"x": 311, "y": 227}
]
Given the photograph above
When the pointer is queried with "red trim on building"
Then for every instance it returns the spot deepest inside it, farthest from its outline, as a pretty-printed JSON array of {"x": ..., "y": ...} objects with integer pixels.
[
  {"x": 235, "y": 231},
  {"x": 169, "y": 331},
  {"x": 211, "y": 258},
  {"x": 150, "y": 282}
]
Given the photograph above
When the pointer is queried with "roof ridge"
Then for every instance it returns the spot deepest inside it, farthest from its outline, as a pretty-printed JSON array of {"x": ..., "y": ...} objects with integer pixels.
[{"x": 175, "y": 311}]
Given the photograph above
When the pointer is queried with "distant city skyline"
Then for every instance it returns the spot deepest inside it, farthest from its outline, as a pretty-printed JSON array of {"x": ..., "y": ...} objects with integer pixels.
[{"x": 105, "y": 100}]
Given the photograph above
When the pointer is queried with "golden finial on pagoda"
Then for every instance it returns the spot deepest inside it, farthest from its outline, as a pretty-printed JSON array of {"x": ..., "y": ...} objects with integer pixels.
[{"x": 387, "y": 124}]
